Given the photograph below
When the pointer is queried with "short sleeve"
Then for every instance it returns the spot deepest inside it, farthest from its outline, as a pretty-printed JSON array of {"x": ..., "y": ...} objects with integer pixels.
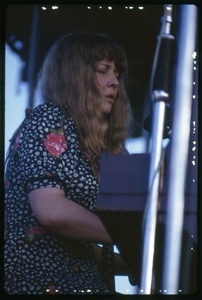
[{"x": 43, "y": 149}]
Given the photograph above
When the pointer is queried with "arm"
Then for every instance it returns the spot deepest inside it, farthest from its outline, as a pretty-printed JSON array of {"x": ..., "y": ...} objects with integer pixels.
[{"x": 65, "y": 217}]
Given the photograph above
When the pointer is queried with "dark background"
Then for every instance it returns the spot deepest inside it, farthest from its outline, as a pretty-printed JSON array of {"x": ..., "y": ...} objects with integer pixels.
[{"x": 137, "y": 30}]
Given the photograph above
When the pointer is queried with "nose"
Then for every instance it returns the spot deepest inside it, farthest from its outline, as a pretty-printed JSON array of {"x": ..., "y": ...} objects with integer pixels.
[{"x": 113, "y": 80}]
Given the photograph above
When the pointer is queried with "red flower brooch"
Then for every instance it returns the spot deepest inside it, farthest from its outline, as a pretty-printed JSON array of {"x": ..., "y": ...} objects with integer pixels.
[{"x": 55, "y": 142}]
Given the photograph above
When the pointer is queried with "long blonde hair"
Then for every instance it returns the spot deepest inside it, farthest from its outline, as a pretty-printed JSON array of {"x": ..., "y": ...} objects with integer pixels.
[{"x": 67, "y": 79}]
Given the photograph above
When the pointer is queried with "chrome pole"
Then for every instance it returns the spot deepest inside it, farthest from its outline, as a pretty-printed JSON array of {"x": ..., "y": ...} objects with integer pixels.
[{"x": 179, "y": 148}]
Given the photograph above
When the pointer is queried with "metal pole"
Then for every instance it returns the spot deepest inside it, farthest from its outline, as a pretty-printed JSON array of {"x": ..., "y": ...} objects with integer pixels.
[
  {"x": 179, "y": 148},
  {"x": 150, "y": 216},
  {"x": 160, "y": 98}
]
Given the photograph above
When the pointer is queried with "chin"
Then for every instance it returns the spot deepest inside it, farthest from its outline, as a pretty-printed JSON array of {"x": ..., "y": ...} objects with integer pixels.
[
  {"x": 107, "y": 112},
  {"x": 107, "y": 109}
]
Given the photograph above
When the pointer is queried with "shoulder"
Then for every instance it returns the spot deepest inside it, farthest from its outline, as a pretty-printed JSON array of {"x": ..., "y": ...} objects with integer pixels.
[
  {"x": 50, "y": 114},
  {"x": 46, "y": 109}
]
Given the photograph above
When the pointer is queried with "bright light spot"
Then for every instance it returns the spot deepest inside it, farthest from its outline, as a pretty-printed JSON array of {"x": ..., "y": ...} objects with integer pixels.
[
  {"x": 100, "y": 7},
  {"x": 194, "y": 54},
  {"x": 169, "y": 8},
  {"x": 140, "y": 7},
  {"x": 44, "y": 8},
  {"x": 110, "y": 7},
  {"x": 18, "y": 45},
  {"x": 130, "y": 7},
  {"x": 55, "y": 7},
  {"x": 88, "y": 7}
]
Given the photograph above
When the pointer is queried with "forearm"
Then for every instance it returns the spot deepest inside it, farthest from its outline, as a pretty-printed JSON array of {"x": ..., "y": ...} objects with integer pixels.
[
  {"x": 67, "y": 218},
  {"x": 76, "y": 222}
]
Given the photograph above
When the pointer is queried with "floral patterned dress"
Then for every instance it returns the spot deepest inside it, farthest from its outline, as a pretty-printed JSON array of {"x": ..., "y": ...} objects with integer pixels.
[{"x": 46, "y": 153}]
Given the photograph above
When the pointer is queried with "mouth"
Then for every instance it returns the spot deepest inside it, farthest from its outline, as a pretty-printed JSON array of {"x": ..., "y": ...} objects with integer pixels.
[{"x": 111, "y": 97}]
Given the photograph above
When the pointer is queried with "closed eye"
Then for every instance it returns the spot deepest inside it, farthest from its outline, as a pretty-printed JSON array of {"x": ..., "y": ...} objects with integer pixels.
[{"x": 101, "y": 71}]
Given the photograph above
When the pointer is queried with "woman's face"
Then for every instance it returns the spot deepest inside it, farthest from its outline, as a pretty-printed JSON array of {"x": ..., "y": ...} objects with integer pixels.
[{"x": 107, "y": 83}]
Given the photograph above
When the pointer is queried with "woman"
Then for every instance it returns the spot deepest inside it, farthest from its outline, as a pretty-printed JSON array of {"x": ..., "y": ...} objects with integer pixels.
[{"x": 52, "y": 173}]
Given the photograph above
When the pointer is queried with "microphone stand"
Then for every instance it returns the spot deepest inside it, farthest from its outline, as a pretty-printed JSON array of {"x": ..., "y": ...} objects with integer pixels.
[{"x": 160, "y": 97}]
